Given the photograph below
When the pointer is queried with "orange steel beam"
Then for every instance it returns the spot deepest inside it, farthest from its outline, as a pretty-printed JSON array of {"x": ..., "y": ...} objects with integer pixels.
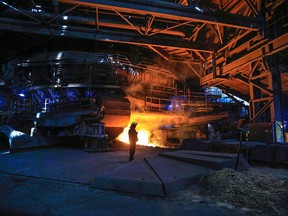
[
  {"x": 267, "y": 49},
  {"x": 107, "y": 35},
  {"x": 172, "y": 11}
]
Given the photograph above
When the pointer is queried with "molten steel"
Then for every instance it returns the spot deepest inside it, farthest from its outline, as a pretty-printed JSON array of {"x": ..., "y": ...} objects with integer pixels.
[
  {"x": 143, "y": 137},
  {"x": 147, "y": 125},
  {"x": 155, "y": 128}
]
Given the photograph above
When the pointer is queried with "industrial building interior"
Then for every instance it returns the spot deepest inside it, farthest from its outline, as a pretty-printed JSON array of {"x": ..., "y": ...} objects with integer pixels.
[{"x": 196, "y": 75}]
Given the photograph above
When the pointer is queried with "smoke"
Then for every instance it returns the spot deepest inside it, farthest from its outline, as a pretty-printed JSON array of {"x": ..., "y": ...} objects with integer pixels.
[
  {"x": 181, "y": 70},
  {"x": 135, "y": 90},
  {"x": 135, "y": 93}
]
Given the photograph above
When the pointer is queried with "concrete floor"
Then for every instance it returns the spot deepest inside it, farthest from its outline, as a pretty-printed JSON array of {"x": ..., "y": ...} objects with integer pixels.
[{"x": 57, "y": 181}]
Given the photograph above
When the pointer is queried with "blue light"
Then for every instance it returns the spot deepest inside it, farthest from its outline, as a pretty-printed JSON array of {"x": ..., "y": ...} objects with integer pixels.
[
  {"x": 21, "y": 95},
  {"x": 15, "y": 134},
  {"x": 72, "y": 94},
  {"x": 38, "y": 115},
  {"x": 89, "y": 93}
]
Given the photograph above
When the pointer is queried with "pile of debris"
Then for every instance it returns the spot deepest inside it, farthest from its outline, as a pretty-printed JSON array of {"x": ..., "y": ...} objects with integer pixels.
[{"x": 263, "y": 193}]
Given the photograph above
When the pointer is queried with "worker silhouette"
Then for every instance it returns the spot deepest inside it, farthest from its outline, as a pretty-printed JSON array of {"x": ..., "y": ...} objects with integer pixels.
[{"x": 132, "y": 140}]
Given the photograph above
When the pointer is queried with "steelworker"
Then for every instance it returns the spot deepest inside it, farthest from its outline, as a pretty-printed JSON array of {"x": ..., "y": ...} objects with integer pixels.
[{"x": 132, "y": 140}]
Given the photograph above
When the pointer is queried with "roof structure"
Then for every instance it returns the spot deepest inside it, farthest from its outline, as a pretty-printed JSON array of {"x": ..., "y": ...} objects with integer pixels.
[{"x": 213, "y": 43}]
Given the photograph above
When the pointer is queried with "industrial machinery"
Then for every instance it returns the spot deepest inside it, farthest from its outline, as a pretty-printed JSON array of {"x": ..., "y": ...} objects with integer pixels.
[
  {"x": 91, "y": 96},
  {"x": 80, "y": 118}
]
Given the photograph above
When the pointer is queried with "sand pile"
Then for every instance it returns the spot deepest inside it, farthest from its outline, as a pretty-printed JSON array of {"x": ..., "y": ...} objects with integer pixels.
[{"x": 264, "y": 193}]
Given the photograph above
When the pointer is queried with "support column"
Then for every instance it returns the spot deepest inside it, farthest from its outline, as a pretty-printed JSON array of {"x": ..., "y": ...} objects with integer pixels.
[
  {"x": 266, "y": 108},
  {"x": 277, "y": 113}
]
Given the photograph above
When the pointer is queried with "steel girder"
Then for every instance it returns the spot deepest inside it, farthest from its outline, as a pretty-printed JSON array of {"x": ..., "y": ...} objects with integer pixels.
[
  {"x": 172, "y": 11},
  {"x": 104, "y": 35},
  {"x": 170, "y": 17},
  {"x": 161, "y": 26},
  {"x": 265, "y": 48},
  {"x": 266, "y": 97},
  {"x": 261, "y": 93}
]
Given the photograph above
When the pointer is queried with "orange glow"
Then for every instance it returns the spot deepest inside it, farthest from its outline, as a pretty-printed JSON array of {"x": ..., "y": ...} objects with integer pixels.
[
  {"x": 143, "y": 137},
  {"x": 154, "y": 129},
  {"x": 147, "y": 125}
]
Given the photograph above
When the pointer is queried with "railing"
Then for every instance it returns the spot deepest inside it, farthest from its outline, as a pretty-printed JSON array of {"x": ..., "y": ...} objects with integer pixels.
[
  {"x": 155, "y": 103},
  {"x": 46, "y": 104}
]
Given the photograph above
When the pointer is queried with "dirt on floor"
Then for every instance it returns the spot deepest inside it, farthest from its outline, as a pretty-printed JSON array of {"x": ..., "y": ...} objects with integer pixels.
[{"x": 259, "y": 191}]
